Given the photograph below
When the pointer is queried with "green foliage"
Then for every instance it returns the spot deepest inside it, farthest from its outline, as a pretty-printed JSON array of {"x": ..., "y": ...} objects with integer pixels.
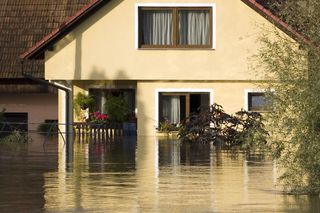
[
  {"x": 215, "y": 125},
  {"x": 117, "y": 109},
  {"x": 253, "y": 134},
  {"x": 16, "y": 137},
  {"x": 2, "y": 115},
  {"x": 295, "y": 121},
  {"x": 47, "y": 128},
  {"x": 83, "y": 101},
  {"x": 166, "y": 126}
]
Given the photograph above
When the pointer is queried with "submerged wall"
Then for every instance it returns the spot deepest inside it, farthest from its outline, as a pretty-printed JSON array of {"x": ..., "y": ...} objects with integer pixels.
[{"x": 39, "y": 107}]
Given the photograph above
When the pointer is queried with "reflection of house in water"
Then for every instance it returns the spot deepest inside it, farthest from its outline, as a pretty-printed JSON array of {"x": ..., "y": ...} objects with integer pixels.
[
  {"x": 175, "y": 153},
  {"x": 147, "y": 176},
  {"x": 22, "y": 169}
]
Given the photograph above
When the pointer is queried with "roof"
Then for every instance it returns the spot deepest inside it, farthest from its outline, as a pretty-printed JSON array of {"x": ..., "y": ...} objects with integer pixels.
[
  {"x": 64, "y": 27},
  {"x": 23, "y": 23}
]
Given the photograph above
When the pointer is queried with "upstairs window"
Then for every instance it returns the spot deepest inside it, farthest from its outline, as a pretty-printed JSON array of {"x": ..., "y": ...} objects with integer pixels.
[{"x": 175, "y": 27}]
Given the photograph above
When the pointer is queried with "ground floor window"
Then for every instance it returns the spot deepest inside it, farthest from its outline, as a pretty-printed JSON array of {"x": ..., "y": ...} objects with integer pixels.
[
  {"x": 257, "y": 101},
  {"x": 175, "y": 107},
  {"x": 11, "y": 121}
]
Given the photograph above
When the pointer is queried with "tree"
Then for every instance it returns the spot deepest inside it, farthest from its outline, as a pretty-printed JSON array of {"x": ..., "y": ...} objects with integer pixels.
[{"x": 295, "y": 120}]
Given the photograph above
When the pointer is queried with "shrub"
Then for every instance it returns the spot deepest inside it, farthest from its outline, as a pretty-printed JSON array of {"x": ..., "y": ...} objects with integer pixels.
[
  {"x": 47, "y": 128},
  {"x": 253, "y": 134},
  {"x": 16, "y": 137},
  {"x": 117, "y": 109},
  {"x": 214, "y": 125},
  {"x": 83, "y": 101},
  {"x": 166, "y": 126}
]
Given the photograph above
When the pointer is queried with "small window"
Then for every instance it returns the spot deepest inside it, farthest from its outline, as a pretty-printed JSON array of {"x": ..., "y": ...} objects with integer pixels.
[
  {"x": 14, "y": 121},
  {"x": 257, "y": 101},
  {"x": 179, "y": 27}
]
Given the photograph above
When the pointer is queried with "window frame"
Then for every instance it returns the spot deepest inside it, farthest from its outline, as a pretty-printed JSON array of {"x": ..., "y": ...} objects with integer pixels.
[
  {"x": 248, "y": 93},
  {"x": 175, "y": 7},
  {"x": 16, "y": 120},
  {"x": 158, "y": 91}
]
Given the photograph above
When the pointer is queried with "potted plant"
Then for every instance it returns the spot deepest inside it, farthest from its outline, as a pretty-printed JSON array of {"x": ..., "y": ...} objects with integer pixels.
[
  {"x": 98, "y": 118},
  {"x": 83, "y": 101},
  {"x": 166, "y": 128}
]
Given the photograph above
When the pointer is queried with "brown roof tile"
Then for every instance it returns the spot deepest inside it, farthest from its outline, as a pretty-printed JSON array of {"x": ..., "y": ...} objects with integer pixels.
[
  {"x": 63, "y": 28},
  {"x": 23, "y": 23}
]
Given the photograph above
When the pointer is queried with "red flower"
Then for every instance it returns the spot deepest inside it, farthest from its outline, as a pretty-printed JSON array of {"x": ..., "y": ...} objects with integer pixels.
[{"x": 98, "y": 116}]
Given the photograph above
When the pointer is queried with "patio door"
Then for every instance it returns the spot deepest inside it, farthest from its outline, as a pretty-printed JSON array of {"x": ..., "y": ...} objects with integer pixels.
[{"x": 175, "y": 107}]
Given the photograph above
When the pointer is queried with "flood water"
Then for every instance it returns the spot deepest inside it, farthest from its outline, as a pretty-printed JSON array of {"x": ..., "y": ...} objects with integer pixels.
[{"x": 143, "y": 175}]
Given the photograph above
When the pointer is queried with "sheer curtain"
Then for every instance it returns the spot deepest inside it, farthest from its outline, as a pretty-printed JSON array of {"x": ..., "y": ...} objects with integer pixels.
[
  {"x": 175, "y": 109},
  {"x": 157, "y": 27},
  {"x": 194, "y": 27},
  {"x": 171, "y": 108}
]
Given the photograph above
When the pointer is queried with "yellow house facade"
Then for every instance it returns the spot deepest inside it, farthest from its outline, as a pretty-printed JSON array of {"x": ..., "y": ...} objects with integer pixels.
[{"x": 168, "y": 58}]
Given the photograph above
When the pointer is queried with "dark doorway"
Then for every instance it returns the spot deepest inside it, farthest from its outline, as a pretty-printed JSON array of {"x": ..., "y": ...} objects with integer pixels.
[{"x": 12, "y": 121}]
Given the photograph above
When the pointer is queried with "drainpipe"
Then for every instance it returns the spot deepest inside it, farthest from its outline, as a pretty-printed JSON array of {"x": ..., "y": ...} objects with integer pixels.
[{"x": 68, "y": 110}]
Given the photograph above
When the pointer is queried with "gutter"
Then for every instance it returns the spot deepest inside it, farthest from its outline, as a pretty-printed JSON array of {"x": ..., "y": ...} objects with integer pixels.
[{"x": 68, "y": 92}]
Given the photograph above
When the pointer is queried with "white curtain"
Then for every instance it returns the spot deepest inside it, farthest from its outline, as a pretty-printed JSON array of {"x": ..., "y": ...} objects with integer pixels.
[
  {"x": 175, "y": 109},
  {"x": 171, "y": 108},
  {"x": 194, "y": 27},
  {"x": 157, "y": 27}
]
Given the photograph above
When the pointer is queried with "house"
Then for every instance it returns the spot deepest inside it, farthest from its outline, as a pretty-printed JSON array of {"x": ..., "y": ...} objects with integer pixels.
[
  {"x": 167, "y": 58},
  {"x": 22, "y": 24}
]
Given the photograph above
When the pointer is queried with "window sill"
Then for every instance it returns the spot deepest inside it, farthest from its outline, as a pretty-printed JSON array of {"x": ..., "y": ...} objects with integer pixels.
[
  {"x": 171, "y": 134},
  {"x": 260, "y": 111},
  {"x": 168, "y": 48}
]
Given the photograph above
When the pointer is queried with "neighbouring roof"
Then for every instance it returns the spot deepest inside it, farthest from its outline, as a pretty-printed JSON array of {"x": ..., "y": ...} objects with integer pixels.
[
  {"x": 64, "y": 28},
  {"x": 23, "y": 23}
]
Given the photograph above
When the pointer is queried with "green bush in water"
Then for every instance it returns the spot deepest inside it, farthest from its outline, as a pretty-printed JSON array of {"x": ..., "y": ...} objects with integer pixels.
[
  {"x": 16, "y": 137},
  {"x": 245, "y": 129},
  {"x": 117, "y": 109},
  {"x": 47, "y": 128}
]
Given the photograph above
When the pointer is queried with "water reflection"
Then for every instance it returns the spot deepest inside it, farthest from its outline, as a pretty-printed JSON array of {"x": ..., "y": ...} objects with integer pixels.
[
  {"x": 21, "y": 174},
  {"x": 144, "y": 175}
]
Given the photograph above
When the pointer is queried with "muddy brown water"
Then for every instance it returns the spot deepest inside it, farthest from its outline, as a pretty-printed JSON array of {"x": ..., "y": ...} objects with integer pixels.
[{"x": 140, "y": 175}]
